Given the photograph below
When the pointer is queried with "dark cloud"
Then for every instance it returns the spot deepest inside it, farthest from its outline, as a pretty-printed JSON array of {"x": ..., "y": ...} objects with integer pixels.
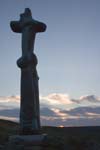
[
  {"x": 58, "y": 109},
  {"x": 72, "y": 122},
  {"x": 47, "y": 112},
  {"x": 83, "y": 111},
  {"x": 90, "y": 98},
  {"x": 9, "y": 112},
  {"x": 84, "y": 116}
]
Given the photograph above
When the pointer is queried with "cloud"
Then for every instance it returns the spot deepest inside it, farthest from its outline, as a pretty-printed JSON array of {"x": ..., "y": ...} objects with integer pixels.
[
  {"x": 90, "y": 98},
  {"x": 84, "y": 116},
  {"x": 47, "y": 112},
  {"x": 51, "y": 116},
  {"x": 59, "y": 100},
  {"x": 70, "y": 122},
  {"x": 83, "y": 112},
  {"x": 8, "y": 99},
  {"x": 60, "y": 113},
  {"x": 56, "y": 99},
  {"x": 10, "y": 113},
  {"x": 57, "y": 109},
  {"x": 87, "y": 100}
]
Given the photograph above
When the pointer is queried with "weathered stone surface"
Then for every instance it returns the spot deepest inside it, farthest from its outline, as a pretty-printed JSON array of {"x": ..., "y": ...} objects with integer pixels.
[
  {"x": 29, "y": 110},
  {"x": 30, "y": 136},
  {"x": 25, "y": 142},
  {"x": 28, "y": 139}
]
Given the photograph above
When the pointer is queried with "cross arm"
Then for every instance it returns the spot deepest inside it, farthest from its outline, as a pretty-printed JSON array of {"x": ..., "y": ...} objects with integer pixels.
[{"x": 15, "y": 26}]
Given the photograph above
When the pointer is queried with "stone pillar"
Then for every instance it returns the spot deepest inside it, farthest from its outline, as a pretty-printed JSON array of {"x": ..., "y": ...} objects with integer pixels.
[{"x": 29, "y": 109}]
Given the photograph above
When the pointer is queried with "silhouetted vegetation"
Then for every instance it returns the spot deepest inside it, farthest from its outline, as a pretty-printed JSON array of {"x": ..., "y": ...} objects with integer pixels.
[{"x": 74, "y": 138}]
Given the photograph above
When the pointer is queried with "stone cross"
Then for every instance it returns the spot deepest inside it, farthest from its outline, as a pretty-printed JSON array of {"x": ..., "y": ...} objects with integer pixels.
[{"x": 29, "y": 109}]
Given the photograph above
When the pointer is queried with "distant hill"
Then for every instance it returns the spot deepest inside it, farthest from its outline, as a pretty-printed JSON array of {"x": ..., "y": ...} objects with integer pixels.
[{"x": 59, "y": 138}]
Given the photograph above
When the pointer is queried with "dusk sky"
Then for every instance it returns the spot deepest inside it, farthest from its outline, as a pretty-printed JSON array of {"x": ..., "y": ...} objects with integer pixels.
[{"x": 68, "y": 52}]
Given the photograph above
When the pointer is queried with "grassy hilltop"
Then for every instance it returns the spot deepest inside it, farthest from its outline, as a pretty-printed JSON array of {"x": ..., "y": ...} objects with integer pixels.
[{"x": 75, "y": 138}]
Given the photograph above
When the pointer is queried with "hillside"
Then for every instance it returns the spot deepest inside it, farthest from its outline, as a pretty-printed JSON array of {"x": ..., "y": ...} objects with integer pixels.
[{"x": 75, "y": 138}]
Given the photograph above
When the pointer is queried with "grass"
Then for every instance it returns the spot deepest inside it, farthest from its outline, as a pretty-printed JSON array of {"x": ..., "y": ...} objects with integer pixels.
[{"x": 77, "y": 138}]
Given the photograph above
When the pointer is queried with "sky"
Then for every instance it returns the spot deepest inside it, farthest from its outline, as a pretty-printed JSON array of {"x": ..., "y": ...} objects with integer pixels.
[
  {"x": 68, "y": 52},
  {"x": 57, "y": 110}
]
